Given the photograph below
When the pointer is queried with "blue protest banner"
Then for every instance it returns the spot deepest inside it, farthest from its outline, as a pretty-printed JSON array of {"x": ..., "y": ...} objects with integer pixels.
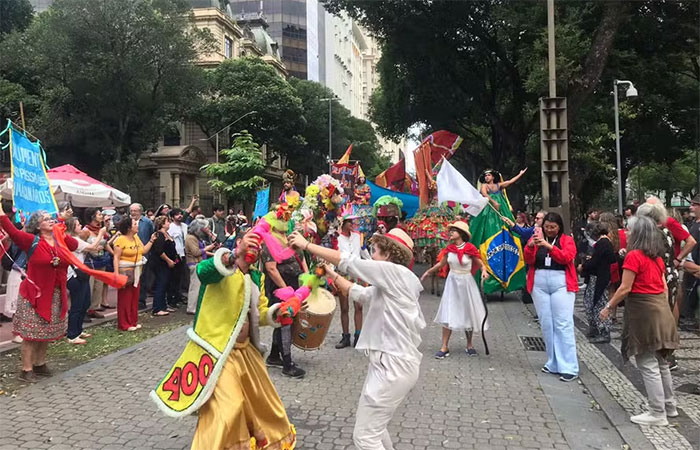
[
  {"x": 31, "y": 190},
  {"x": 262, "y": 203}
]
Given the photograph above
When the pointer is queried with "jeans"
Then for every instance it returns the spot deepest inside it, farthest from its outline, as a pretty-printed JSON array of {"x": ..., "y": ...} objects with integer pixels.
[
  {"x": 162, "y": 274},
  {"x": 174, "y": 287},
  {"x": 145, "y": 282},
  {"x": 657, "y": 382},
  {"x": 79, "y": 304},
  {"x": 555, "y": 308},
  {"x": 282, "y": 345}
]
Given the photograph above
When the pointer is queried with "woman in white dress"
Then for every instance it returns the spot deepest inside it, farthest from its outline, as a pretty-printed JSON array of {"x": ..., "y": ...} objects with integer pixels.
[{"x": 461, "y": 307}]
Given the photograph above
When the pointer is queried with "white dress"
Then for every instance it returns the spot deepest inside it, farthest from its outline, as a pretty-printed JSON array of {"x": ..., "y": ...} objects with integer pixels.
[{"x": 461, "y": 307}]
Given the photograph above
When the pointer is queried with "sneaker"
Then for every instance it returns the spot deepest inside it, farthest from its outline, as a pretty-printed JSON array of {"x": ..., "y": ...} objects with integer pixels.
[
  {"x": 17, "y": 339},
  {"x": 672, "y": 412},
  {"x": 471, "y": 352},
  {"x": 544, "y": 369},
  {"x": 131, "y": 329},
  {"x": 648, "y": 419},
  {"x": 566, "y": 377},
  {"x": 43, "y": 370},
  {"x": 138, "y": 326},
  {"x": 673, "y": 365},
  {"x": 77, "y": 341},
  {"x": 442, "y": 355},
  {"x": 274, "y": 361},
  {"x": 28, "y": 376},
  {"x": 293, "y": 371},
  {"x": 600, "y": 339}
]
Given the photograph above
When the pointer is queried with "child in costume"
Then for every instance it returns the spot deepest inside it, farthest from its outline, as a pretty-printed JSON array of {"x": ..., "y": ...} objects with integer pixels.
[
  {"x": 391, "y": 330},
  {"x": 221, "y": 372},
  {"x": 461, "y": 307}
]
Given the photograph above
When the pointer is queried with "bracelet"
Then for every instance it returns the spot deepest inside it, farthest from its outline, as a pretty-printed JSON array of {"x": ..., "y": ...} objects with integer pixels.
[{"x": 676, "y": 259}]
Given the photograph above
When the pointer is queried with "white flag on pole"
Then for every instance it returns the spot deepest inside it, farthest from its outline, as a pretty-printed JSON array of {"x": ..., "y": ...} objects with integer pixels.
[{"x": 452, "y": 186}]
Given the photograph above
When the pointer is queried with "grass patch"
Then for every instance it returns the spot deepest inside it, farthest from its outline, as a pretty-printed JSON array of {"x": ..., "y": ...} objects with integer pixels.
[{"x": 106, "y": 339}]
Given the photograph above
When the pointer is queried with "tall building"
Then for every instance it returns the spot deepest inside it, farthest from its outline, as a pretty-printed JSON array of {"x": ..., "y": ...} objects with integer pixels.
[
  {"x": 294, "y": 25},
  {"x": 350, "y": 69}
]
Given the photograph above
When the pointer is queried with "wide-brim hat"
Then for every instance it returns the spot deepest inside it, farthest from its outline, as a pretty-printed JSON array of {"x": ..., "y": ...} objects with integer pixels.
[
  {"x": 399, "y": 237},
  {"x": 462, "y": 226},
  {"x": 696, "y": 199}
]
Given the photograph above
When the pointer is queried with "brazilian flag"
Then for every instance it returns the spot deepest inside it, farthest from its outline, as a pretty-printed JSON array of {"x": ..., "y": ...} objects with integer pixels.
[{"x": 501, "y": 251}]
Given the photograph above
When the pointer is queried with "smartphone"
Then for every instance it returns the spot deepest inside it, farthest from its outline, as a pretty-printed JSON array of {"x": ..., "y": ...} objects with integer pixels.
[{"x": 538, "y": 233}]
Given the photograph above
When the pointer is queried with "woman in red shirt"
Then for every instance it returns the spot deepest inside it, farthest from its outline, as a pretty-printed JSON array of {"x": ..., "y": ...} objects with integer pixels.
[
  {"x": 649, "y": 332},
  {"x": 42, "y": 302},
  {"x": 552, "y": 282}
]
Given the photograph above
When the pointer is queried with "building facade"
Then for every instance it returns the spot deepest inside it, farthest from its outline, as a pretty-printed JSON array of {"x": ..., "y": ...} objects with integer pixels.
[
  {"x": 294, "y": 25},
  {"x": 172, "y": 173}
]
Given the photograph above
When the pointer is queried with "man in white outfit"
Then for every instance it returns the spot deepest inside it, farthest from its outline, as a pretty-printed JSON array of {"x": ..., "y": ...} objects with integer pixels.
[
  {"x": 391, "y": 333},
  {"x": 349, "y": 241}
]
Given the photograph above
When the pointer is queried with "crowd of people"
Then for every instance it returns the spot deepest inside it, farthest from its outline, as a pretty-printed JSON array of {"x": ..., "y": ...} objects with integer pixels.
[
  {"x": 646, "y": 261},
  {"x": 48, "y": 298}
]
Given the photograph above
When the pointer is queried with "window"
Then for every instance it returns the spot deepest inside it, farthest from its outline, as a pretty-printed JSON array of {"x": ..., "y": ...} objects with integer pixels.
[{"x": 228, "y": 47}]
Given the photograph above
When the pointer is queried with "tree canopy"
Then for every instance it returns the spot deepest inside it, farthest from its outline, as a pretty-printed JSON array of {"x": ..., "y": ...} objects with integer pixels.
[
  {"x": 110, "y": 75},
  {"x": 478, "y": 68}
]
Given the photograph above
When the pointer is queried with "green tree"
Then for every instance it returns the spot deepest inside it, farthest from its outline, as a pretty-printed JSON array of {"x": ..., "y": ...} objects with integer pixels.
[
  {"x": 110, "y": 75},
  {"x": 478, "y": 68},
  {"x": 239, "y": 173},
  {"x": 346, "y": 130},
  {"x": 15, "y": 15},
  {"x": 237, "y": 87}
]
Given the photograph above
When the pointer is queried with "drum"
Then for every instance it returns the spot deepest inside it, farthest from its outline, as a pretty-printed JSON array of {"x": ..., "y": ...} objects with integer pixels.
[{"x": 311, "y": 326}]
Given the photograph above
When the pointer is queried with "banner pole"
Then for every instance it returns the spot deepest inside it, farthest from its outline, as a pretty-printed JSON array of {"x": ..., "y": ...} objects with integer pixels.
[{"x": 21, "y": 115}]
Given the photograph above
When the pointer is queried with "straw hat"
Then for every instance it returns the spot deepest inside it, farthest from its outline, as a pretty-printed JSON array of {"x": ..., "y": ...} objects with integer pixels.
[
  {"x": 400, "y": 238},
  {"x": 462, "y": 226}
]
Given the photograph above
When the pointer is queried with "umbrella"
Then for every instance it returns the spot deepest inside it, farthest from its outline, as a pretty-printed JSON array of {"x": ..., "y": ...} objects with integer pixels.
[{"x": 81, "y": 190}]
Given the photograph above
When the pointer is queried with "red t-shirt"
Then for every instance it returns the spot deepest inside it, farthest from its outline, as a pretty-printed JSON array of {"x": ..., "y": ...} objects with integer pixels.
[
  {"x": 679, "y": 234},
  {"x": 650, "y": 273}
]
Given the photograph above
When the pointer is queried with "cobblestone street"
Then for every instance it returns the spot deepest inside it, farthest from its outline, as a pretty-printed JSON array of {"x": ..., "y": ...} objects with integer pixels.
[{"x": 488, "y": 402}]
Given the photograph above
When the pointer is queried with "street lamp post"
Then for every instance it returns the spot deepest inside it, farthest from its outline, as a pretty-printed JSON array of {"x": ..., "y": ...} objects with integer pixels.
[
  {"x": 330, "y": 131},
  {"x": 630, "y": 91}
]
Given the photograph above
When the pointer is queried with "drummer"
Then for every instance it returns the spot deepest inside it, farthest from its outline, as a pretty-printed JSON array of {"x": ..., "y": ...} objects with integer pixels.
[
  {"x": 392, "y": 330},
  {"x": 349, "y": 241}
]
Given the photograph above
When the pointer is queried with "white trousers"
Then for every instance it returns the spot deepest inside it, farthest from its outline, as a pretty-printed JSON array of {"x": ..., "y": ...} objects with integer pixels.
[
  {"x": 389, "y": 380},
  {"x": 658, "y": 382},
  {"x": 193, "y": 291}
]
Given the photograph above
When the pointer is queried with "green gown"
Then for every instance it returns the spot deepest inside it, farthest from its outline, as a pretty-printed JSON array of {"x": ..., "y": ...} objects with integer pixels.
[{"x": 487, "y": 224}]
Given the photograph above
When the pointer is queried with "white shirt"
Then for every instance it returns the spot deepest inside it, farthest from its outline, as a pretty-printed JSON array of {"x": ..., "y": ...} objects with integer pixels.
[
  {"x": 350, "y": 244},
  {"x": 79, "y": 253},
  {"x": 393, "y": 318},
  {"x": 178, "y": 233}
]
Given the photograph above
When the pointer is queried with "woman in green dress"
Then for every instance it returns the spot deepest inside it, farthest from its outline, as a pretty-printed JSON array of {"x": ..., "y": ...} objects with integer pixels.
[{"x": 489, "y": 222}]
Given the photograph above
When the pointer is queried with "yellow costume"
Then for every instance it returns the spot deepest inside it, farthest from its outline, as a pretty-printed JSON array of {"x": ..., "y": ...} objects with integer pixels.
[{"x": 221, "y": 372}]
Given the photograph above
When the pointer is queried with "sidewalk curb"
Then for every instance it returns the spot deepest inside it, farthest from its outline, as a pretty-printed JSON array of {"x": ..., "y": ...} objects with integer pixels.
[
  {"x": 112, "y": 356},
  {"x": 617, "y": 416}
]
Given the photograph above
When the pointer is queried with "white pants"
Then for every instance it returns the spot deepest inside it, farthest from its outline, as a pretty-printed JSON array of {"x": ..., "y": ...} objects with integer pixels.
[
  {"x": 658, "y": 383},
  {"x": 14, "y": 279},
  {"x": 193, "y": 291},
  {"x": 389, "y": 380}
]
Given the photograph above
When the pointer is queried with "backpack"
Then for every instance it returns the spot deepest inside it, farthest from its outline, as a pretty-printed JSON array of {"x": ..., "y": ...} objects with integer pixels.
[{"x": 15, "y": 257}]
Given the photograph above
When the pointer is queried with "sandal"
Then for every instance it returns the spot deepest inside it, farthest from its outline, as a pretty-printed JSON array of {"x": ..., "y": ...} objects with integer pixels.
[
  {"x": 471, "y": 352},
  {"x": 161, "y": 313},
  {"x": 107, "y": 307}
]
